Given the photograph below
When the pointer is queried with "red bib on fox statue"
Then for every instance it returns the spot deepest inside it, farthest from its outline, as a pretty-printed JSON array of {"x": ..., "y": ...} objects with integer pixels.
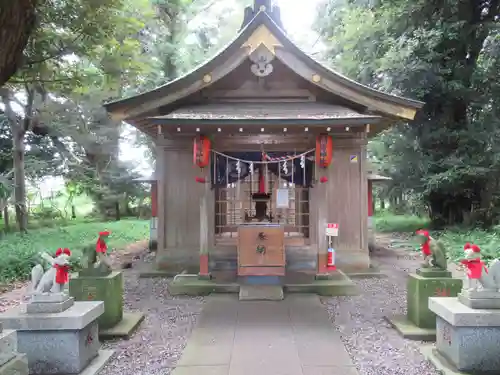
[
  {"x": 62, "y": 271},
  {"x": 101, "y": 246},
  {"x": 425, "y": 247},
  {"x": 473, "y": 263}
]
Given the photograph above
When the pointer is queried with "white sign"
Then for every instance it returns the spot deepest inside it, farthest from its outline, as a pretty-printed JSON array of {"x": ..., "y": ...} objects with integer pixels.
[
  {"x": 282, "y": 198},
  {"x": 332, "y": 229}
]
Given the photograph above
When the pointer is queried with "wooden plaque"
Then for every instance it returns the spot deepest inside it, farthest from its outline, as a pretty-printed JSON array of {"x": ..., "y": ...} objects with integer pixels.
[{"x": 261, "y": 250}]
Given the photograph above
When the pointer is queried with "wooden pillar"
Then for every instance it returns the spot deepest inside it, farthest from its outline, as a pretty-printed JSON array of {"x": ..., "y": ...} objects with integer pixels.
[
  {"x": 364, "y": 195},
  {"x": 154, "y": 198},
  {"x": 153, "y": 226},
  {"x": 370, "y": 198},
  {"x": 206, "y": 227},
  {"x": 161, "y": 199},
  {"x": 321, "y": 191}
]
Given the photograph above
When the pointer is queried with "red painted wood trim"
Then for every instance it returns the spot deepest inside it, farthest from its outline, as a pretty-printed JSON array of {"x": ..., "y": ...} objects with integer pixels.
[{"x": 204, "y": 264}]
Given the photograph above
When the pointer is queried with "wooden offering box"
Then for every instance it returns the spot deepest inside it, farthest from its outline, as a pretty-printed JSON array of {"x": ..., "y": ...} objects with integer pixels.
[{"x": 261, "y": 250}]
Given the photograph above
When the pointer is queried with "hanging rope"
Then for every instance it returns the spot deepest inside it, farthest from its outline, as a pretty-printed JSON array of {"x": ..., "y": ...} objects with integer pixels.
[{"x": 269, "y": 159}]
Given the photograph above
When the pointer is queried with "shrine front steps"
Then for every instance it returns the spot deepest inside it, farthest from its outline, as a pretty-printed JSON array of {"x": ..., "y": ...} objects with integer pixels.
[
  {"x": 261, "y": 293},
  {"x": 337, "y": 284}
]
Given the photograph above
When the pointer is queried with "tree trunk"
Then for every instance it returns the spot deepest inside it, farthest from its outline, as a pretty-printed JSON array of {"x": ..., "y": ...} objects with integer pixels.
[
  {"x": 17, "y": 160},
  {"x": 6, "y": 219},
  {"x": 17, "y": 21},
  {"x": 117, "y": 211},
  {"x": 19, "y": 179}
]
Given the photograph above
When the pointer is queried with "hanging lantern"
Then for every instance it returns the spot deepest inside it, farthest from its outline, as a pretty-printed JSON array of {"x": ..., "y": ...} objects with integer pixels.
[
  {"x": 324, "y": 150},
  {"x": 201, "y": 151}
]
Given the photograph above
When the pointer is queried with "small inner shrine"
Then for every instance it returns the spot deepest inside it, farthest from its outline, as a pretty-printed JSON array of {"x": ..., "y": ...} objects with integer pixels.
[{"x": 260, "y": 152}]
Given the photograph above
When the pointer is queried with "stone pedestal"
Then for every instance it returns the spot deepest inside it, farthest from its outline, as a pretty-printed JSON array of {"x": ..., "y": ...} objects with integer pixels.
[
  {"x": 109, "y": 289},
  {"x": 11, "y": 362},
  {"x": 467, "y": 339},
  {"x": 64, "y": 342},
  {"x": 420, "y": 322}
]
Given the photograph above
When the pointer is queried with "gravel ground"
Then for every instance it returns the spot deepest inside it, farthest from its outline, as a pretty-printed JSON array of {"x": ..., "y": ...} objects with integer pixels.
[
  {"x": 158, "y": 343},
  {"x": 374, "y": 346}
]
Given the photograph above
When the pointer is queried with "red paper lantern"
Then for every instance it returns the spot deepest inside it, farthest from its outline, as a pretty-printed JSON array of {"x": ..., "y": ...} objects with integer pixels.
[
  {"x": 201, "y": 151},
  {"x": 324, "y": 150}
]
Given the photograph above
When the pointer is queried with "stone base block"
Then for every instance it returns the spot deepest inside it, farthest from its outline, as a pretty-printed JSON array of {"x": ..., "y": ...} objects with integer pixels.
[
  {"x": 443, "y": 366},
  {"x": 49, "y": 297},
  {"x": 467, "y": 338},
  {"x": 124, "y": 329},
  {"x": 419, "y": 289},
  {"x": 59, "y": 352},
  {"x": 57, "y": 343},
  {"x": 49, "y": 307},
  {"x": 76, "y": 317},
  {"x": 108, "y": 289},
  {"x": 17, "y": 365},
  {"x": 433, "y": 272},
  {"x": 409, "y": 330},
  {"x": 480, "y": 299},
  {"x": 8, "y": 346},
  {"x": 261, "y": 293}
]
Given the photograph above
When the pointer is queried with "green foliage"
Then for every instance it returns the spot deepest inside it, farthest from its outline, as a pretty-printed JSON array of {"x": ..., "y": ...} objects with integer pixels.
[
  {"x": 443, "y": 54},
  {"x": 19, "y": 252},
  {"x": 386, "y": 223},
  {"x": 488, "y": 241}
]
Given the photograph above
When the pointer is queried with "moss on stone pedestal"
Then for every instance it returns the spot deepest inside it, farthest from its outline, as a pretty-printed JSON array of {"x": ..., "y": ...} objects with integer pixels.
[
  {"x": 420, "y": 288},
  {"x": 420, "y": 323},
  {"x": 108, "y": 289}
]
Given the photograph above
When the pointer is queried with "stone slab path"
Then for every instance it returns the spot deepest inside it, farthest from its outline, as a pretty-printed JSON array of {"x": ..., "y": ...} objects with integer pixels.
[{"x": 290, "y": 337}]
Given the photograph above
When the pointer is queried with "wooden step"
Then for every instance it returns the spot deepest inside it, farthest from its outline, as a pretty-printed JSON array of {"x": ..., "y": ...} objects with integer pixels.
[{"x": 261, "y": 293}]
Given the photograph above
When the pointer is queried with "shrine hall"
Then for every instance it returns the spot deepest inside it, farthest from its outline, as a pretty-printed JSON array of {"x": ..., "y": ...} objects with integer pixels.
[{"x": 261, "y": 164}]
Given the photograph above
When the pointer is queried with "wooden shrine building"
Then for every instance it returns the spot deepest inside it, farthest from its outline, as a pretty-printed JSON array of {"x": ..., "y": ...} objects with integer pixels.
[{"x": 258, "y": 149}]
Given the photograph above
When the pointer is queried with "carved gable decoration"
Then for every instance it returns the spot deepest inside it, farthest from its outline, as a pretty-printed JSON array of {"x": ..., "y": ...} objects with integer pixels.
[{"x": 261, "y": 59}]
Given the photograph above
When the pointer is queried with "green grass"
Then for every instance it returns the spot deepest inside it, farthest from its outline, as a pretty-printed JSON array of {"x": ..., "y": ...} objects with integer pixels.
[
  {"x": 454, "y": 239},
  {"x": 387, "y": 223},
  {"x": 18, "y": 253}
]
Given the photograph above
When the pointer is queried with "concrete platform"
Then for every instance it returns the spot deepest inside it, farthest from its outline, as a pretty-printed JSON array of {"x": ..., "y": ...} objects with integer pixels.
[
  {"x": 337, "y": 284},
  {"x": 289, "y": 337},
  {"x": 124, "y": 329},
  {"x": 442, "y": 365},
  {"x": 372, "y": 272},
  {"x": 409, "y": 330}
]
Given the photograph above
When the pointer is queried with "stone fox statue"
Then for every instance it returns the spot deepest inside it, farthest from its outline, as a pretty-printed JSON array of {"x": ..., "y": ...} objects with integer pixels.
[
  {"x": 480, "y": 277},
  {"x": 96, "y": 256},
  {"x": 434, "y": 251},
  {"x": 53, "y": 280}
]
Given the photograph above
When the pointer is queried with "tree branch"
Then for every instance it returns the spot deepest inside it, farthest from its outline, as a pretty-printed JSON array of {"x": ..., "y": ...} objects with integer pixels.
[{"x": 60, "y": 51}]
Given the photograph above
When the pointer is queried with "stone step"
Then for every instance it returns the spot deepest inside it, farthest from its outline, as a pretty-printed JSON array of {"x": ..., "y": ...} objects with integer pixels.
[{"x": 261, "y": 293}]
